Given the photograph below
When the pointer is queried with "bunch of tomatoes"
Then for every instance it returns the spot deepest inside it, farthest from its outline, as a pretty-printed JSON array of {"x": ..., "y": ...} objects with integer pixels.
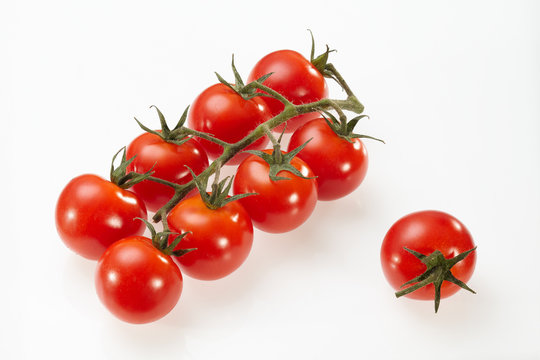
[{"x": 207, "y": 228}]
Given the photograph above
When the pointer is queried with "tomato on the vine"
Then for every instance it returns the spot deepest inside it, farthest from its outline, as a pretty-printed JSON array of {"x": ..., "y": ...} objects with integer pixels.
[
  {"x": 168, "y": 161},
  {"x": 92, "y": 213},
  {"x": 222, "y": 237},
  {"x": 340, "y": 164},
  {"x": 278, "y": 205},
  {"x": 136, "y": 281},
  {"x": 294, "y": 77},
  {"x": 424, "y": 233},
  {"x": 225, "y": 114}
]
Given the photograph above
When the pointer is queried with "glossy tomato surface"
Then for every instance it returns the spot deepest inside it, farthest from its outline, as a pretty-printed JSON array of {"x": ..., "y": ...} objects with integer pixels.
[
  {"x": 168, "y": 161},
  {"x": 92, "y": 213},
  {"x": 425, "y": 232},
  {"x": 222, "y": 237},
  {"x": 224, "y": 114},
  {"x": 294, "y": 77},
  {"x": 137, "y": 282},
  {"x": 340, "y": 165},
  {"x": 279, "y": 206}
]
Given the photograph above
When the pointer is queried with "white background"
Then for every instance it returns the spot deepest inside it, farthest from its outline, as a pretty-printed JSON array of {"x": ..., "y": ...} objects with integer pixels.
[{"x": 452, "y": 86}]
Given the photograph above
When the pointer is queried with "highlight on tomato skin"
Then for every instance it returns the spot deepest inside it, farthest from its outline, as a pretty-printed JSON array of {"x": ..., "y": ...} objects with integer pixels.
[
  {"x": 92, "y": 213},
  {"x": 136, "y": 282},
  {"x": 426, "y": 232}
]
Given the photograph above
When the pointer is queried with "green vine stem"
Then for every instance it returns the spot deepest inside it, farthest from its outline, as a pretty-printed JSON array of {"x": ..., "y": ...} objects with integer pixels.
[{"x": 229, "y": 150}]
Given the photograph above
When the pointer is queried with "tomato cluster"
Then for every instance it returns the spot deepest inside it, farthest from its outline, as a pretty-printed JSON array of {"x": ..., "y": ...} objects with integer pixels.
[{"x": 208, "y": 234}]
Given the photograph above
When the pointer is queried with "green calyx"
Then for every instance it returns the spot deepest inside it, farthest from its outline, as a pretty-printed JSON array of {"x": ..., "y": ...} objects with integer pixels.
[
  {"x": 279, "y": 161},
  {"x": 160, "y": 240},
  {"x": 174, "y": 135},
  {"x": 437, "y": 271},
  {"x": 121, "y": 177},
  {"x": 344, "y": 128},
  {"x": 247, "y": 92},
  {"x": 219, "y": 195},
  {"x": 320, "y": 61}
]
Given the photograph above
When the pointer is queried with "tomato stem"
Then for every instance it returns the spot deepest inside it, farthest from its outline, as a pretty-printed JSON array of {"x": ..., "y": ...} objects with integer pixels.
[
  {"x": 187, "y": 131},
  {"x": 269, "y": 91}
]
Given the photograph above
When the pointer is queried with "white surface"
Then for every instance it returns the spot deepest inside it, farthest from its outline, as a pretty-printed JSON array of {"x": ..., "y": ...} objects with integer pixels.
[{"x": 453, "y": 87}]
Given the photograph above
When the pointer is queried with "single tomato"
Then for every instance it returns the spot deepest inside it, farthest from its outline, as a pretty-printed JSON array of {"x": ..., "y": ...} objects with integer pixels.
[
  {"x": 339, "y": 164},
  {"x": 223, "y": 113},
  {"x": 294, "y": 77},
  {"x": 222, "y": 237},
  {"x": 92, "y": 213},
  {"x": 279, "y": 205},
  {"x": 137, "y": 282},
  {"x": 425, "y": 233},
  {"x": 168, "y": 161}
]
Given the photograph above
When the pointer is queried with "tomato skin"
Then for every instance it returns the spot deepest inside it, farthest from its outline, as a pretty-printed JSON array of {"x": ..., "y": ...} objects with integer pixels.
[
  {"x": 137, "y": 282},
  {"x": 340, "y": 166},
  {"x": 279, "y": 206},
  {"x": 224, "y": 114},
  {"x": 169, "y": 163},
  {"x": 425, "y": 232},
  {"x": 222, "y": 237},
  {"x": 294, "y": 77},
  {"x": 92, "y": 213}
]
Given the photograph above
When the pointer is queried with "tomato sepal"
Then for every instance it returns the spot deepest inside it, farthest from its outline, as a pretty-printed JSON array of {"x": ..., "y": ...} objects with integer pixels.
[
  {"x": 174, "y": 136},
  {"x": 437, "y": 271},
  {"x": 160, "y": 240},
  {"x": 320, "y": 61},
  {"x": 121, "y": 177},
  {"x": 344, "y": 128},
  {"x": 249, "y": 91},
  {"x": 219, "y": 196},
  {"x": 279, "y": 161}
]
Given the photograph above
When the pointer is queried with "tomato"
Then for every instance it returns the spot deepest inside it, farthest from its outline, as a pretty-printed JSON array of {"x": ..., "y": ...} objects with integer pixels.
[
  {"x": 136, "y": 281},
  {"x": 222, "y": 237},
  {"x": 426, "y": 232},
  {"x": 168, "y": 161},
  {"x": 340, "y": 165},
  {"x": 279, "y": 206},
  {"x": 223, "y": 113},
  {"x": 92, "y": 213},
  {"x": 294, "y": 77}
]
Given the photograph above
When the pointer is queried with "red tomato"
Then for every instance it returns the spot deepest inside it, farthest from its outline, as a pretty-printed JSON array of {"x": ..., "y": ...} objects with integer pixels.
[
  {"x": 222, "y": 237},
  {"x": 425, "y": 232},
  {"x": 340, "y": 166},
  {"x": 294, "y": 77},
  {"x": 279, "y": 206},
  {"x": 224, "y": 114},
  {"x": 92, "y": 213},
  {"x": 137, "y": 282},
  {"x": 169, "y": 163}
]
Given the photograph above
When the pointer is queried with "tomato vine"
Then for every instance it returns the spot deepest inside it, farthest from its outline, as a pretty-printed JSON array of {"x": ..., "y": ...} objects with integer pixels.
[{"x": 351, "y": 103}]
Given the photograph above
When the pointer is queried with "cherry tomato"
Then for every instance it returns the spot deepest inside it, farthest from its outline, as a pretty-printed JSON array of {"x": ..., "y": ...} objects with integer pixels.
[
  {"x": 279, "y": 206},
  {"x": 169, "y": 163},
  {"x": 92, "y": 213},
  {"x": 294, "y": 77},
  {"x": 425, "y": 232},
  {"x": 137, "y": 282},
  {"x": 223, "y": 113},
  {"x": 340, "y": 165},
  {"x": 222, "y": 237}
]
